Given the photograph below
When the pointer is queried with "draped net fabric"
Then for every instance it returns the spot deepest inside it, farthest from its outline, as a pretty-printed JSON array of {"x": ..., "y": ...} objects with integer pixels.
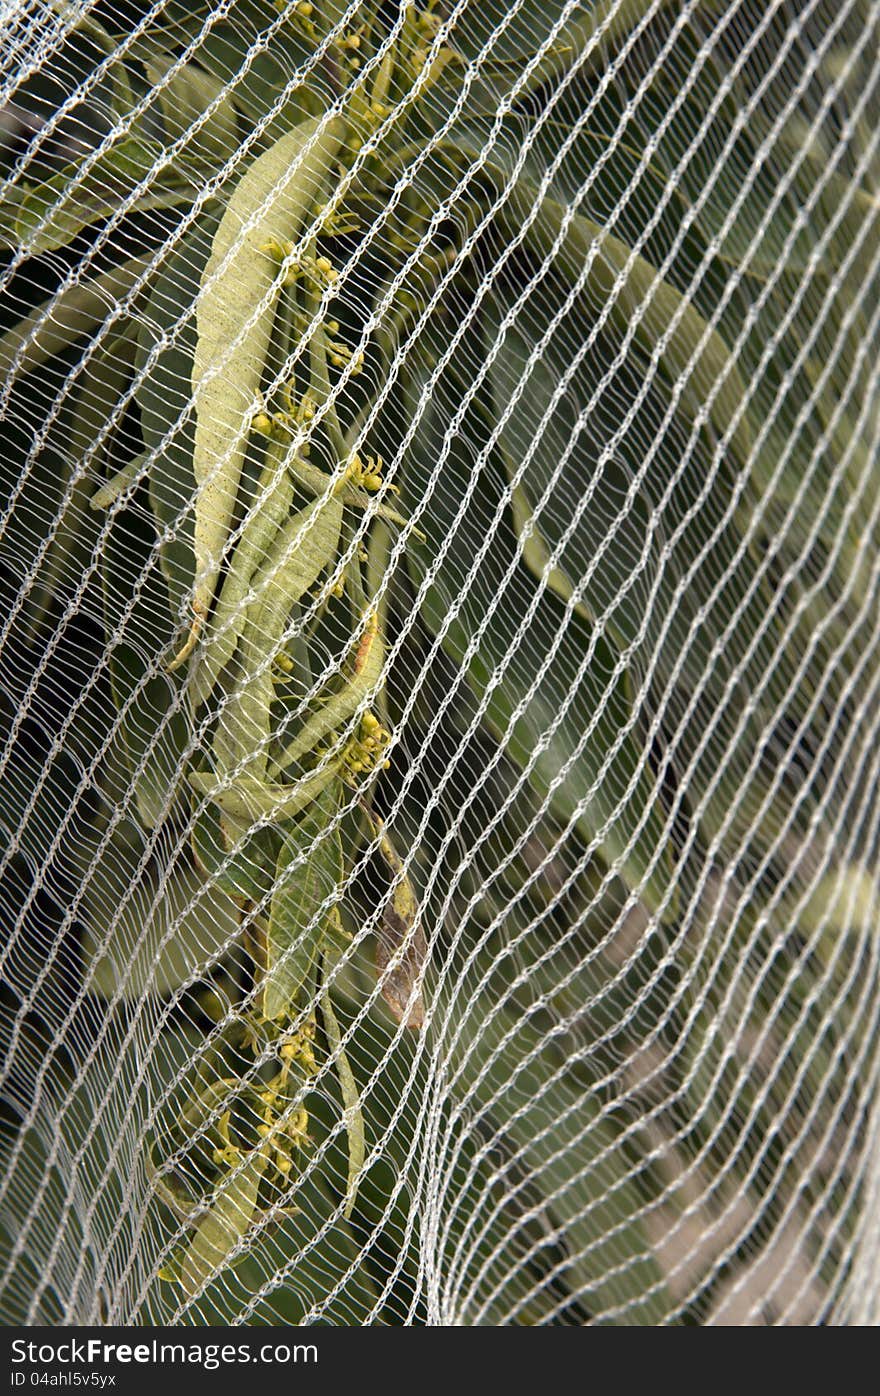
[{"x": 603, "y": 297}]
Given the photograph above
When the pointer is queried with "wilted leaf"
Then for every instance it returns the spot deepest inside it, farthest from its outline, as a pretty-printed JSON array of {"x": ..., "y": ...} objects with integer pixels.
[{"x": 398, "y": 940}]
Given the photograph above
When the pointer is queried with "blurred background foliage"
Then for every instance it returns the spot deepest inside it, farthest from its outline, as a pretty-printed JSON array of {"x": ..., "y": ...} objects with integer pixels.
[{"x": 633, "y": 777}]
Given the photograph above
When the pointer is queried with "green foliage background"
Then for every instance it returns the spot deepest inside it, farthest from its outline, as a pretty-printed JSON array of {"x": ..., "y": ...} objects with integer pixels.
[{"x": 628, "y": 694}]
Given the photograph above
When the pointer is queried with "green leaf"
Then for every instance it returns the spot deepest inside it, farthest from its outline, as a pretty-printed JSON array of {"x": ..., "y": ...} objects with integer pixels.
[
  {"x": 171, "y": 1190},
  {"x": 51, "y": 216},
  {"x": 840, "y": 910},
  {"x": 300, "y": 552},
  {"x": 164, "y": 399},
  {"x": 101, "y": 388},
  {"x": 664, "y": 323},
  {"x": 182, "y": 101},
  {"x": 167, "y": 931},
  {"x": 226, "y": 1224},
  {"x": 613, "y": 181},
  {"x": 554, "y": 692},
  {"x": 565, "y": 1144},
  {"x": 250, "y": 800},
  {"x": 766, "y": 204},
  {"x": 705, "y": 655},
  {"x": 351, "y": 1105},
  {"x": 63, "y": 319},
  {"x": 292, "y": 1267},
  {"x": 234, "y": 317},
  {"x": 340, "y": 704},
  {"x": 154, "y": 730},
  {"x": 257, "y": 71},
  {"x": 536, "y": 553},
  {"x": 271, "y": 506},
  {"x": 647, "y": 545},
  {"x": 590, "y": 508},
  {"x": 309, "y": 872},
  {"x": 518, "y": 34},
  {"x": 585, "y": 39},
  {"x": 242, "y": 865}
]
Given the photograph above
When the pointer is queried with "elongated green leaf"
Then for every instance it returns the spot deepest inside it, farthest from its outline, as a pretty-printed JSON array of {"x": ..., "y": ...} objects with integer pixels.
[
  {"x": 294, "y": 1267},
  {"x": 301, "y": 550},
  {"x": 101, "y": 386},
  {"x": 309, "y": 871},
  {"x": 234, "y": 317},
  {"x": 583, "y": 40},
  {"x": 612, "y": 180},
  {"x": 401, "y": 948},
  {"x": 716, "y": 751},
  {"x": 51, "y": 216},
  {"x": 183, "y": 98},
  {"x": 590, "y": 510},
  {"x": 841, "y": 909},
  {"x": 339, "y": 706},
  {"x": 153, "y": 950},
  {"x": 226, "y": 1224},
  {"x": 606, "y": 525},
  {"x": 569, "y": 1150},
  {"x": 274, "y": 495},
  {"x": 766, "y": 209},
  {"x": 692, "y": 354},
  {"x": 354, "y": 1118},
  {"x": 243, "y": 867},
  {"x": 58, "y": 323},
  {"x": 536, "y": 553},
  {"x": 171, "y": 1190},
  {"x": 167, "y": 340},
  {"x": 252, "y": 800},
  {"x": 553, "y": 692},
  {"x": 155, "y": 733}
]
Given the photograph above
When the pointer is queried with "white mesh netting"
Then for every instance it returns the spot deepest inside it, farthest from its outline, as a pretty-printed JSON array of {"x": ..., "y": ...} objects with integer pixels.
[{"x": 440, "y": 671}]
